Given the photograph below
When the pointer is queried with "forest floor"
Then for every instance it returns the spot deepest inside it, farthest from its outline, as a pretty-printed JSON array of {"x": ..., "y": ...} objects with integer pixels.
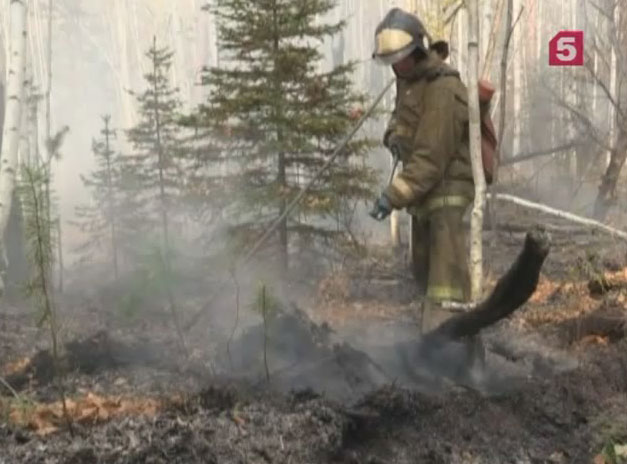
[{"x": 330, "y": 383}]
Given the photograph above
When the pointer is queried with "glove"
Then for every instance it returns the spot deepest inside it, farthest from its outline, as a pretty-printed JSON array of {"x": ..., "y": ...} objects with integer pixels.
[
  {"x": 391, "y": 142},
  {"x": 382, "y": 208}
]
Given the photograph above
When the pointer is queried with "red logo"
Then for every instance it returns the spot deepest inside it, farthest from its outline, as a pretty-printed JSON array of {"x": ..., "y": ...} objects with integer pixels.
[{"x": 566, "y": 49}]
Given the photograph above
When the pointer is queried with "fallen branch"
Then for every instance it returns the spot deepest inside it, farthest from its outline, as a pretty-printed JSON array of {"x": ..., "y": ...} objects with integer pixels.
[
  {"x": 9, "y": 387},
  {"x": 602, "y": 323},
  {"x": 511, "y": 291},
  {"x": 560, "y": 214}
]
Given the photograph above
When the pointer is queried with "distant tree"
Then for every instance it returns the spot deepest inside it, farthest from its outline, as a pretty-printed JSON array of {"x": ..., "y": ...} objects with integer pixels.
[
  {"x": 276, "y": 117},
  {"x": 154, "y": 173},
  {"x": 100, "y": 219}
]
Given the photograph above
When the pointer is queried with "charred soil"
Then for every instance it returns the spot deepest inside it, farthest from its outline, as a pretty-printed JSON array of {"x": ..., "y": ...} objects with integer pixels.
[{"x": 554, "y": 389}]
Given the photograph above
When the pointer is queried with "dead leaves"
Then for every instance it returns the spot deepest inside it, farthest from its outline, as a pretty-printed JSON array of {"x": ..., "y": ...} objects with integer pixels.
[
  {"x": 91, "y": 409},
  {"x": 15, "y": 366},
  {"x": 569, "y": 299}
]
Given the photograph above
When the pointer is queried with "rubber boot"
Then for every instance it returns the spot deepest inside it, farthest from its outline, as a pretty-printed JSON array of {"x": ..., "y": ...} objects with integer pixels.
[
  {"x": 432, "y": 315},
  {"x": 476, "y": 352}
]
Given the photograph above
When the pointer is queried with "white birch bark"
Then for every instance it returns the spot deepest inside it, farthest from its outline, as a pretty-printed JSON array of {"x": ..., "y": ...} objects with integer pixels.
[
  {"x": 24, "y": 149},
  {"x": 14, "y": 103},
  {"x": 476, "y": 221},
  {"x": 119, "y": 32},
  {"x": 613, "y": 92},
  {"x": 595, "y": 87},
  {"x": 462, "y": 20},
  {"x": 517, "y": 85},
  {"x": 49, "y": 79}
]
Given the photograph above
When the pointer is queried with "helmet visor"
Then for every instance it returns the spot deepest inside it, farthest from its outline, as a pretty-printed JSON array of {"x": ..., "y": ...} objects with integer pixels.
[
  {"x": 394, "y": 57},
  {"x": 392, "y": 45}
]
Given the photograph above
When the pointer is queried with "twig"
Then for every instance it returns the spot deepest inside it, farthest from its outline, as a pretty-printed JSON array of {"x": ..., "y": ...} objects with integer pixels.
[
  {"x": 536, "y": 154},
  {"x": 9, "y": 387},
  {"x": 236, "y": 324},
  {"x": 560, "y": 214},
  {"x": 452, "y": 13},
  {"x": 265, "y": 332},
  {"x": 45, "y": 289}
]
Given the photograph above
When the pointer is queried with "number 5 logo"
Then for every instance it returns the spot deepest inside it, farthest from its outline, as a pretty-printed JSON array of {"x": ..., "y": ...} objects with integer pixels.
[{"x": 566, "y": 49}]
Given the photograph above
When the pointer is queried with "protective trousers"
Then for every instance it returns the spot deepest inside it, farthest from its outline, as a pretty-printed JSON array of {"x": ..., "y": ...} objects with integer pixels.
[
  {"x": 440, "y": 265},
  {"x": 439, "y": 253}
]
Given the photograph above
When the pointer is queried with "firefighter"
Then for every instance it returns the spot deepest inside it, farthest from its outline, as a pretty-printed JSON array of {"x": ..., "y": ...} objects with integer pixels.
[{"x": 428, "y": 130}]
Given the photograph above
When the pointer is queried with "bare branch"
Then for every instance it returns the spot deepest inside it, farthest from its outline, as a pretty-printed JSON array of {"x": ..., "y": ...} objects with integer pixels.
[
  {"x": 607, "y": 15},
  {"x": 451, "y": 12},
  {"x": 584, "y": 119},
  {"x": 9, "y": 387},
  {"x": 535, "y": 154}
]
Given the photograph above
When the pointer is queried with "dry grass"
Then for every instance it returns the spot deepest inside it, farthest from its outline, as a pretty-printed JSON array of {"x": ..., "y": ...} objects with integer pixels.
[{"x": 90, "y": 409}]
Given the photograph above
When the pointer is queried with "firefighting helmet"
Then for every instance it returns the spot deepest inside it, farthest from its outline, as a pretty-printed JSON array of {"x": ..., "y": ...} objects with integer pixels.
[{"x": 397, "y": 36}]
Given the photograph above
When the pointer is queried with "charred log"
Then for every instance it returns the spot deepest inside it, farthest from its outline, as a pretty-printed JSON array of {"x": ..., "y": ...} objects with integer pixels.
[
  {"x": 511, "y": 292},
  {"x": 610, "y": 324}
]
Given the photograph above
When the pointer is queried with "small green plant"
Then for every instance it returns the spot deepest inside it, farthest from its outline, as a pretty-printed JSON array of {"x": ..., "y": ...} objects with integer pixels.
[
  {"x": 267, "y": 305},
  {"x": 34, "y": 192},
  {"x": 614, "y": 453},
  {"x": 154, "y": 277},
  {"x": 19, "y": 406},
  {"x": 610, "y": 431}
]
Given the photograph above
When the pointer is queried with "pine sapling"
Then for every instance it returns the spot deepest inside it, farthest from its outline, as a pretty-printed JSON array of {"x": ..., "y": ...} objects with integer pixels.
[
  {"x": 267, "y": 305},
  {"x": 35, "y": 196},
  {"x": 157, "y": 162},
  {"x": 102, "y": 221},
  {"x": 235, "y": 325}
]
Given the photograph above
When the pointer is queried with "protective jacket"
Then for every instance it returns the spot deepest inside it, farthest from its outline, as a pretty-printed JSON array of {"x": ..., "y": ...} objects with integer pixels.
[{"x": 430, "y": 126}]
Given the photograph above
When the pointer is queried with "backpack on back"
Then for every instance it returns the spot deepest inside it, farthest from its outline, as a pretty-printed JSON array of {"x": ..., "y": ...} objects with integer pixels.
[{"x": 489, "y": 141}]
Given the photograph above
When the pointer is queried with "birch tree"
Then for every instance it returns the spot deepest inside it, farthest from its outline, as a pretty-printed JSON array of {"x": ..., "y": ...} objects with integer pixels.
[
  {"x": 476, "y": 224},
  {"x": 14, "y": 107}
]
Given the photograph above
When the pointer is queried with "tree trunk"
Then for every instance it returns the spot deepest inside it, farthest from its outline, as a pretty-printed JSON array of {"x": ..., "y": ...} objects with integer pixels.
[
  {"x": 504, "y": 60},
  {"x": 60, "y": 254},
  {"x": 160, "y": 155},
  {"x": 476, "y": 224},
  {"x": 492, "y": 39},
  {"x": 112, "y": 222},
  {"x": 618, "y": 133},
  {"x": 517, "y": 87},
  {"x": 164, "y": 202},
  {"x": 607, "y": 190},
  {"x": 281, "y": 167},
  {"x": 49, "y": 74},
  {"x": 507, "y": 36},
  {"x": 14, "y": 107}
]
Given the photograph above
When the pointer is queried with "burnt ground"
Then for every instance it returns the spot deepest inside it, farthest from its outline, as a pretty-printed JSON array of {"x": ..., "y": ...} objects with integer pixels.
[{"x": 554, "y": 389}]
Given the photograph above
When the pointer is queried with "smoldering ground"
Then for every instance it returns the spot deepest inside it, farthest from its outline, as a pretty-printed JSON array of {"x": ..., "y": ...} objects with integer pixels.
[{"x": 343, "y": 393}]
